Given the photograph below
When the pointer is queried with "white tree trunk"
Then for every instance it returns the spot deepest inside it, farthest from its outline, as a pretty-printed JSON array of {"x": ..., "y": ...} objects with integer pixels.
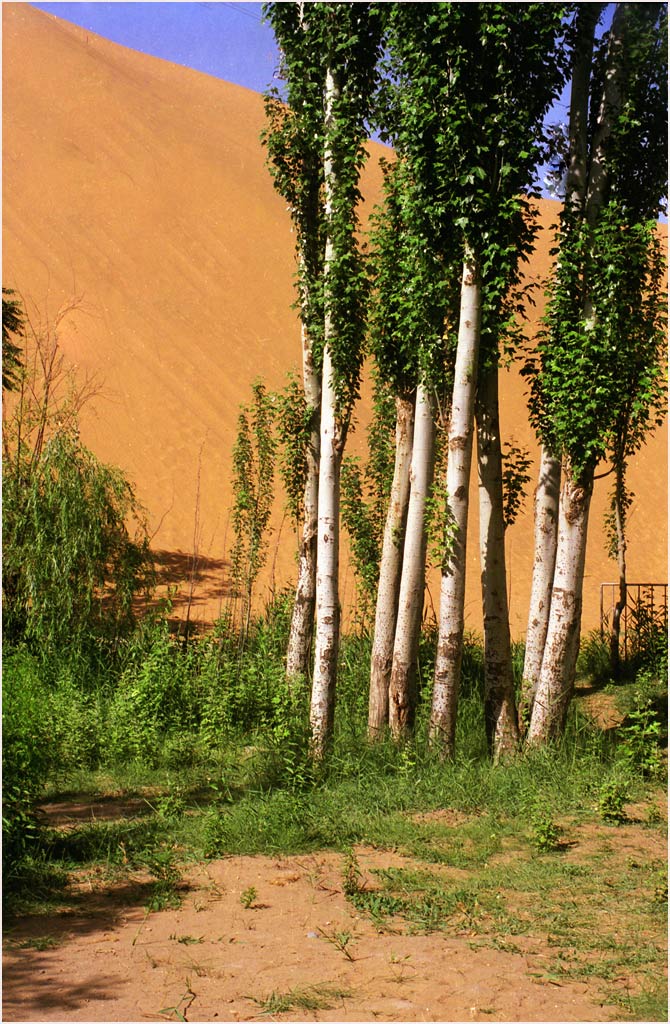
[
  {"x": 555, "y": 686},
  {"x": 322, "y": 714},
  {"x": 499, "y": 706},
  {"x": 390, "y": 571},
  {"x": 545, "y": 539},
  {"x": 549, "y": 483},
  {"x": 402, "y": 687},
  {"x": 302, "y": 621},
  {"x": 452, "y": 589},
  {"x": 332, "y": 438}
]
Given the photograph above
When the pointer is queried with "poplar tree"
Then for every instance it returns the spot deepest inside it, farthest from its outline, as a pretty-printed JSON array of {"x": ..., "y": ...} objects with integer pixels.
[
  {"x": 294, "y": 138},
  {"x": 337, "y": 54},
  {"x": 426, "y": 254},
  {"x": 407, "y": 326},
  {"x": 491, "y": 75},
  {"x": 598, "y": 355},
  {"x": 582, "y": 39}
]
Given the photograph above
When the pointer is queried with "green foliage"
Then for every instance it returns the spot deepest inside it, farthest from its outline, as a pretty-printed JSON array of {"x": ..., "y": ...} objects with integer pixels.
[
  {"x": 612, "y": 802},
  {"x": 640, "y": 738},
  {"x": 294, "y": 426},
  {"x": 13, "y": 327},
  {"x": 604, "y": 358},
  {"x": 248, "y": 897},
  {"x": 364, "y": 494},
  {"x": 253, "y": 489},
  {"x": 329, "y": 63},
  {"x": 26, "y": 757},
  {"x": 546, "y": 833},
  {"x": 75, "y": 542},
  {"x": 516, "y": 463},
  {"x": 71, "y": 566}
]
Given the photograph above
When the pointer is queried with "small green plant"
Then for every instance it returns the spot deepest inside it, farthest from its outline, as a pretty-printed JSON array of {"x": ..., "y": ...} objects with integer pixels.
[
  {"x": 399, "y": 965},
  {"x": 181, "y": 1007},
  {"x": 248, "y": 897},
  {"x": 351, "y": 875},
  {"x": 546, "y": 833},
  {"x": 187, "y": 940},
  {"x": 39, "y": 942},
  {"x": 612, "y": 801},
  {"x": 640, "y": 739},
  {"x": 653, "y": 816},
  {"x": 165, "y": 890},
  {"x": 315, "y": 997},
  {"x": 341, "y": 941}
]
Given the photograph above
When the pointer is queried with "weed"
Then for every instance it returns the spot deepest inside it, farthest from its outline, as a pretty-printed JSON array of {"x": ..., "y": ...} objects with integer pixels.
[
  {"x": 351, "y": 875},
  {"x": 187, "y": 940},
  {"x": 612, "y": 801},
  {"x": 546, "y": 834},
  {"x": 640, "y": 738},
  {"x": 181, "y": 1007},
  {"x": 165, "y": 890},
  {"x": 315, "y": 997},
  {"x": 653, "y": 815},
  {"x": 399, "y": 965},
  {"x": 39, "y": 942},
  {"x": 341, "y": 941},
  {"x": 248, "y": 897}
]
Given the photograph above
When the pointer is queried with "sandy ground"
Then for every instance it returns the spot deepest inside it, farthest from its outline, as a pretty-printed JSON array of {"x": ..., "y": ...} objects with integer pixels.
[
  {"x": 139, "y": 189},
  {"x": 213, "y": 960}
]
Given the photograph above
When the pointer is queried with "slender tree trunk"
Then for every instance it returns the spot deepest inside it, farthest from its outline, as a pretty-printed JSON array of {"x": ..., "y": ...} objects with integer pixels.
[
  {"x": 332, "y": 439},
  {"x": 557, "y": 677},
  {"x": 302, "y": 621},
  {"x": 545, "y": 539},
  {"x": 402, "y": 687},
  {"x": 577, "y": 179},
  {"x": 452, "y": 589},
  {"x": 549, "y": 483},
  {"x": 390, "y": 571},
  {"x": 615, "y": 636},
  {"x": 499, "y": 706},
  {"x": 554, "y": 689},
  {"x": 322, "y": 714}
]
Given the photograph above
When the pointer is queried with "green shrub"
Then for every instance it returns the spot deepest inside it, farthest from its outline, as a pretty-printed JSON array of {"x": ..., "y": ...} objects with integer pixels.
[
  {"x": 26, "y": 754},
  {"x": 71, "y": 568}
]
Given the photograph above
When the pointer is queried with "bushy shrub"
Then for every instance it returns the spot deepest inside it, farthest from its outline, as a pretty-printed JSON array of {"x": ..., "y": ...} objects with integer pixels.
[{"x": 26, "y": 754}]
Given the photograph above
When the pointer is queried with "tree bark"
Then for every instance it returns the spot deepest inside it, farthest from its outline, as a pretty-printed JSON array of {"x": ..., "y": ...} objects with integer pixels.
[
  {"x": 302, "y": 620},
  {"x": 557, "y": 676},
  {"x": 499, "y": 705},
  {"x": 577, "y": 175},
  {"x": 549, "y": 483},
  {"x": 390, "y": 570},
  {"x": 402, "y": 687},
  {"x": 452, "y": 589},
  {"x": 615, "y": 635},
  {"x": 332, "y": 439},
  {"x": 545, "y": 539},
  {"x": 322, "y": 712}
]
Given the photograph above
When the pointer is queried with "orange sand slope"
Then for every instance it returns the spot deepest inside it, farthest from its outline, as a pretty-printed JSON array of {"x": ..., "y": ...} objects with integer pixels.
[{"x": 139, "y": 187}]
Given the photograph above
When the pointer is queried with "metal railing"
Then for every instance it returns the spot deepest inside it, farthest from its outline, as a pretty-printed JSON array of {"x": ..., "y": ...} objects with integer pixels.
[{"x": 646, "y": 610}]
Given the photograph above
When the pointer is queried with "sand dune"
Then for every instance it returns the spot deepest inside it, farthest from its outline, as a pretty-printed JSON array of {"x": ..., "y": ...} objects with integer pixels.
[{"x": 139, "y": 187}]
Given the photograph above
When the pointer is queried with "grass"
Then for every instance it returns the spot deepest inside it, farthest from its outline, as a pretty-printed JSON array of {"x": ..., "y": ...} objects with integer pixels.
[
  {"x": 315, "y": 997},
  {"x": 497, "y": 853}
]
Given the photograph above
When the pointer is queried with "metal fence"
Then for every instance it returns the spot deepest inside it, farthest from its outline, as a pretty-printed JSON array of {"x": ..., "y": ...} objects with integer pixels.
[{"x": 645, "y": 612}]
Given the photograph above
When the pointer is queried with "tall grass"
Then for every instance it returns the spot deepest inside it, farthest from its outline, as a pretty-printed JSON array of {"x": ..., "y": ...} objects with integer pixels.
[{"x": 210, "y": 723}]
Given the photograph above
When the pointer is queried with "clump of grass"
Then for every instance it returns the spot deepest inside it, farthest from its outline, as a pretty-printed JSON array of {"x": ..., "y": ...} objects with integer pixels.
[
  {"x": 248, "y": 897},
  {"x": 612, "y": 802},
  {"x": 546, "y": 835},
  {"x": 310, "y": 999}
]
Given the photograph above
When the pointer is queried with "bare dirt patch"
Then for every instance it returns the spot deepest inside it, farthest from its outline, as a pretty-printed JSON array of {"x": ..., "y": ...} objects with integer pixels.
[{"x": 212, "y": 959}]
